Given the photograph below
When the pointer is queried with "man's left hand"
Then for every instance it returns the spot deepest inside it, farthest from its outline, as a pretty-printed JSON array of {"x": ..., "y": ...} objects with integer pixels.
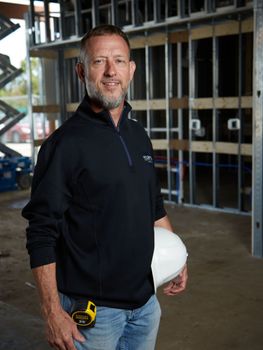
[{"x": 178, "y": 284}]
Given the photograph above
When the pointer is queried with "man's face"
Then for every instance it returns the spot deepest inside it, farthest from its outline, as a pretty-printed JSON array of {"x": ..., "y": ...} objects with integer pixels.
[{"x": 108, "y": 70}]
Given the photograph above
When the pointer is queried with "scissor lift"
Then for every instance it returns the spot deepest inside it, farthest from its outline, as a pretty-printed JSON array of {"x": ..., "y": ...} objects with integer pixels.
[
  {"x": 15, "y": 170},
  {"x": 15, "y": 173}
]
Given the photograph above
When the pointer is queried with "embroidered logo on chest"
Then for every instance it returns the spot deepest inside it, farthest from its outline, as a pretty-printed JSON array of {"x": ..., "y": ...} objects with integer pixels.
[{"x": 148, "y": 159}]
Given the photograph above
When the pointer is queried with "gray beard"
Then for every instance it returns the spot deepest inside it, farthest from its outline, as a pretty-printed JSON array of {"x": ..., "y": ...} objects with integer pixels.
[{"x": 105, "y": 102}]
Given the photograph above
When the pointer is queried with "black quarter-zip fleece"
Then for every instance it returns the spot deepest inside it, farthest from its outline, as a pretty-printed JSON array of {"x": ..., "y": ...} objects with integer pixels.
[{"x": 93, "y": 205}]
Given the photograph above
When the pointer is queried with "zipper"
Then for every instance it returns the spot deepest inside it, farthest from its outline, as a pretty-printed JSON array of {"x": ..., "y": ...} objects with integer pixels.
[
  {"x": 125, "y": 149},
  {"x": 117, "y": 129}
]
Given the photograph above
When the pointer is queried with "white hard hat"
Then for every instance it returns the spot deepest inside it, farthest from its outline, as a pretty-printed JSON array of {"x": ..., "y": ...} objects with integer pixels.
[{"x": 169, "y": 256}]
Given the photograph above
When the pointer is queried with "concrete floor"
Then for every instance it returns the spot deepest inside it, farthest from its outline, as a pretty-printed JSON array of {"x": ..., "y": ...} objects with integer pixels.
[{"x": 222, "y": 307}]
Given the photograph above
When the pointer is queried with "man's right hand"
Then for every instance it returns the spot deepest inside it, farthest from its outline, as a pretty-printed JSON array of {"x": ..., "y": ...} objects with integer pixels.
[{"x": 61, "y": 331}]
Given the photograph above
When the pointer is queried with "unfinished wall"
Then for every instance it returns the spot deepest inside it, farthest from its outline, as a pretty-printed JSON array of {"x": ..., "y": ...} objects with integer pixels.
[{"x": 192, "y": 90}]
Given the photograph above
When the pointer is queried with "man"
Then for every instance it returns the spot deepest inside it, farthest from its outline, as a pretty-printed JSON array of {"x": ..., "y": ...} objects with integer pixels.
[{"x": 94, "y": 203}]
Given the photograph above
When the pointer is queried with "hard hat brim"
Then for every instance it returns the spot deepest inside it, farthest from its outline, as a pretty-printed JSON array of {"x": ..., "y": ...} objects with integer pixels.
[{"x": 169, "y": 257}]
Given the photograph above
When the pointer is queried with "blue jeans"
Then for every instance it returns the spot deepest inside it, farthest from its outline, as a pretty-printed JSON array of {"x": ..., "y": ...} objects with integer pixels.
[{"x": 120, "y": 329}]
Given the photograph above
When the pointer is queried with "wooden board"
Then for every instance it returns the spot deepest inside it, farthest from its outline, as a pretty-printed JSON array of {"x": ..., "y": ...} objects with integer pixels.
[
  {"x": 44, "y": 53},
  {"x": 196, "y": 103},
  {"x": 161, "y": 144},
  {"x": 38, "y": 143},
  {"x": 179, "y": 145},
  {"x": 138, "y": 105},
  {"x": 71, "y": 53},
  {"x": 222, "y": 29},
  {"x": 179, "y": 103},
  {"x": 138, "y": 42},
  {"x": 46, "y": 109},
  {"x": 143, "y": 105},
  {"x": 178, "y": 37},
  {"x": 71, "y": 107},
  {"x": 221, "y": 102},
  {"x": 221, "y": 147},
  {"x": 203, "y": 146}
]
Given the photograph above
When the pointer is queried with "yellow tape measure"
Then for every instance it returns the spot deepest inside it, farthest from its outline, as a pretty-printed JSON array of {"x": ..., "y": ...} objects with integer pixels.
[{"x": 84, "y": 314}]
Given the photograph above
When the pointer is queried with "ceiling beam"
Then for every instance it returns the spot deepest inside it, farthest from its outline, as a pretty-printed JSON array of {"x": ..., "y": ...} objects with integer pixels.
[{"x": 10, "y": 10}]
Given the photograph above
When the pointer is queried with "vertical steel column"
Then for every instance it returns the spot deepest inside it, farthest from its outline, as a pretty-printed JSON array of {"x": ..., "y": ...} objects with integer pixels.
[
  {"x": 180, "y": 121},
  {"x": 147, "y": 78},
  {"x": 95, "y": 13},
  {"x": 38, "y": 30},
  {"x": 167, "y": 112},
  {"x": 257, "y": 214},
  {"x": 240, "y": 3},
  {"x": 215, "y": 118},
  {"x": 114, "y": 12},
  {"x": 62, "y": 85},
  {"x": 28, "y": 22},
  {"x": 78, "y": 18},
  {"x": 62, "y": 20},
  {"x": 239, "y": 157},
  {"x": 166, "y": 9},
  {"x": 157, "y": 11},
  {"x": 47, "y": 23},
  {"x": 181, "y": 9},
  {"x": 31, "y": 24},
  {"x": 192, "y": 177},
  {"x": 210, "y": 6},
  {"x": 135, "y": 13}
]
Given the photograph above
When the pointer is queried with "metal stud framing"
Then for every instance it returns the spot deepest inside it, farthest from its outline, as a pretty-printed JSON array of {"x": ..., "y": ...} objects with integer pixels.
[
  {"x": 144, "y": 20},
  {"x": 192, "y": 47},
  {"x": 215, "y": 119},
  {"x": 257, "y": 213},
  {"x": 180, "y": 123},
  {"x": 167, "y": 122},
  {"x": 47, "y": 20},
  {"x": 239, "y": 157}
]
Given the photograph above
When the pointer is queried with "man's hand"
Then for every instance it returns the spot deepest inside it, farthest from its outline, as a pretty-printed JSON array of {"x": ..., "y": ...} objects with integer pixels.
[
  {"x": 61, "y": 330},
  {"x": 178, "y": 284}
]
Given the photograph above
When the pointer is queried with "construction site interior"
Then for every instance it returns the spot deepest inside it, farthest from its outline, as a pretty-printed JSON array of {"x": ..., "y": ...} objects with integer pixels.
[{"x": 198, "y": 93}]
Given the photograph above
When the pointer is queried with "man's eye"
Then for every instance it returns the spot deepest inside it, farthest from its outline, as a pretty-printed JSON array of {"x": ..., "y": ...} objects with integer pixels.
[
  {"x": 120, "y": 61},
  {"x": 99, "y": 61}
]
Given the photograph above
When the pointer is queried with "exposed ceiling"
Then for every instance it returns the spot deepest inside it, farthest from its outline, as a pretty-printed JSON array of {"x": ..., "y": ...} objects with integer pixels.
[
  {"x": 13, "y": 10},
  {"x": 16, "y": 8}
]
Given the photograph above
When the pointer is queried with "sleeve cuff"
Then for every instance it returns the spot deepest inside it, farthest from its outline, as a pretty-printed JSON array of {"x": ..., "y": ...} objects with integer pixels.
[
  {"x": 160, "y": 213},
  {"x": 43, "y": 256}
]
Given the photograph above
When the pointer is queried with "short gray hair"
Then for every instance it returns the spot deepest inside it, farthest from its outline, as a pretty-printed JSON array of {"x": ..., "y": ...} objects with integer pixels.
[{"x": 105, "y": 29}]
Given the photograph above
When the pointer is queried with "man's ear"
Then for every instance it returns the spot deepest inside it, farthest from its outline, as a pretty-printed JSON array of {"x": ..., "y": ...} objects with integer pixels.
[
  {"x": 132, "y": 69},
  {"x": 80, "y": 71}
]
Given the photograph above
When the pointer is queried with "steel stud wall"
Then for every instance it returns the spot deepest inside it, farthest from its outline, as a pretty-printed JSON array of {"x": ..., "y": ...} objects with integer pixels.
[
  {"x": 257, "y": 216},
  {"x": 196, "y": 110}
]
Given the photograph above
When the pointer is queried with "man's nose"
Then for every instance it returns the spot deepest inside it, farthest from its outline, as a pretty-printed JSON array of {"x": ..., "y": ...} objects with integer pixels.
[{"x": 110, "y": 69}]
